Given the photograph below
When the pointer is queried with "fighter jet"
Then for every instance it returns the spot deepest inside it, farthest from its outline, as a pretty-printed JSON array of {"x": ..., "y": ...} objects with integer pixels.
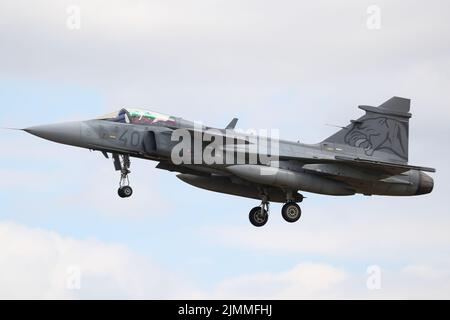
[{"x": 368, "y": 156}]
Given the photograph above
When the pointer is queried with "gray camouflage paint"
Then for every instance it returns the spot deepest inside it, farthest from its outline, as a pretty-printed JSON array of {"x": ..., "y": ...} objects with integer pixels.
[{"x": 369, "y": 156}]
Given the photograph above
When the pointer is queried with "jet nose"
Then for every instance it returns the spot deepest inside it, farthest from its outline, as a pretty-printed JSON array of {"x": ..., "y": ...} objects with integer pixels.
[
  {"x": 425, "y": 184},
  {"x": 66, "y": 132}
]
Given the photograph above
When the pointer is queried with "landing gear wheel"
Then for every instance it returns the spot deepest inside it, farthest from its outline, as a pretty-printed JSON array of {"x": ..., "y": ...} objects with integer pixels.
[
  {"x": 258, "y": 216},
  {"x": 122, "y": 164},
  {"x": 291, "y": 212},
  {"x": 125, "y": 191}
]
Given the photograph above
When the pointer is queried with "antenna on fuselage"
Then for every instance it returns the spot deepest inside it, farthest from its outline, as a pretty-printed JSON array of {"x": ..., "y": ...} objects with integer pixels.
[{"x": 335, "y": 125}]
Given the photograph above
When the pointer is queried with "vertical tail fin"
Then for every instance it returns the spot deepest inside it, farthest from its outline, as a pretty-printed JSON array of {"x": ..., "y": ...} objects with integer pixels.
[{"x": 381, "y": 133}]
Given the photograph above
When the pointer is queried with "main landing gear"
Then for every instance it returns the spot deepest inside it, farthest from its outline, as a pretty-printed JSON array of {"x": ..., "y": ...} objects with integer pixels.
[
  {"x": 122, "y": 164},
  {"x": 290, "y": 212},
  {"x": 260, "y": 215}
]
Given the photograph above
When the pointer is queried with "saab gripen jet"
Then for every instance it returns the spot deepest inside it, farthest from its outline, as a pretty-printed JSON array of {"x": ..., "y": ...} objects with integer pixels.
[{"x": 369, "y": 156}]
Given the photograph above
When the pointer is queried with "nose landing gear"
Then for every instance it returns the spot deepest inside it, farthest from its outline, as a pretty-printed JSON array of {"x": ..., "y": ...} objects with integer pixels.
[
  {"x": 125, "y": 191},
  {"x": 122, "y": 164}
]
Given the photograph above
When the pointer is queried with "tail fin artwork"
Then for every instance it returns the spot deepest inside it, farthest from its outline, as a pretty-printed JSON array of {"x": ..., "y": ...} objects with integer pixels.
[{"x": 381, "y": 133}]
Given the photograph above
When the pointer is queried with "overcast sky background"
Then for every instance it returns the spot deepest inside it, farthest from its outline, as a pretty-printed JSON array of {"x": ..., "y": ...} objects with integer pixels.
[{"x": 274, "y": 64}]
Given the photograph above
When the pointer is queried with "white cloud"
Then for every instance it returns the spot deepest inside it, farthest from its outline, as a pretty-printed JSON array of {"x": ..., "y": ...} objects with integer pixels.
[
  {"x": 325, "y": 281},
  {"x": 35, "y": 265},
  {"x": 374, "y": 228},
  {"x": 177, "y": 44},
  {"x": 306, "y": 280},
  {"x": 426, "y": 272}
]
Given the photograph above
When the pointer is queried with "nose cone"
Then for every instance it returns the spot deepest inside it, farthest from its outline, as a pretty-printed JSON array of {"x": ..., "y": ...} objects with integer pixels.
[
  {"x": 425, "y": 184},
  {"x": 66, "y": 133}
]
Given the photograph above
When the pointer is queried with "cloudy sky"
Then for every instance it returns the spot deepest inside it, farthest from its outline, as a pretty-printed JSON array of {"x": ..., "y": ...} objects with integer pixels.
[{"x": 295, "y": 67}]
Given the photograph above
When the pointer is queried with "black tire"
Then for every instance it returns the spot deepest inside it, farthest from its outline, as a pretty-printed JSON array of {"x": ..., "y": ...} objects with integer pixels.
[
  {"x": 291, "y": 212},
  {"x": 258, "y": 218},
  {"x": 120, "y": 193},
  {"x": 127, "y": 191}
]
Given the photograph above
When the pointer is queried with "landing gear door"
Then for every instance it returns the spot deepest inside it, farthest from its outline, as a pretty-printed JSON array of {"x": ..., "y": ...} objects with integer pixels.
[{"x": 150, "y": 142}]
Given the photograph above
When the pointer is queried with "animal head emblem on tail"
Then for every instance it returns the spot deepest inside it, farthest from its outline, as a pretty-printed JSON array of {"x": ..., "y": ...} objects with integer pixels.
[{"x": 380, "y": 133}]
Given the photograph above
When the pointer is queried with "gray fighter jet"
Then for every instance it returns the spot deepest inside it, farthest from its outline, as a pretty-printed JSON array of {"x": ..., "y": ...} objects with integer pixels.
[{"x": 369, "y": 156}]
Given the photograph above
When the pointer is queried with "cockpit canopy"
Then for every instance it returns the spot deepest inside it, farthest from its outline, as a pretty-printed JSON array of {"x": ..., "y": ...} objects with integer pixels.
[{"x": 139, "y": 116}]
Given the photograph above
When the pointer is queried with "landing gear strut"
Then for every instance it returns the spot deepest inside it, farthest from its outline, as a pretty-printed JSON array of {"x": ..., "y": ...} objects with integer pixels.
[
  {"x": 259, "y": 216},
  {"x": 122, "y": 164}
]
